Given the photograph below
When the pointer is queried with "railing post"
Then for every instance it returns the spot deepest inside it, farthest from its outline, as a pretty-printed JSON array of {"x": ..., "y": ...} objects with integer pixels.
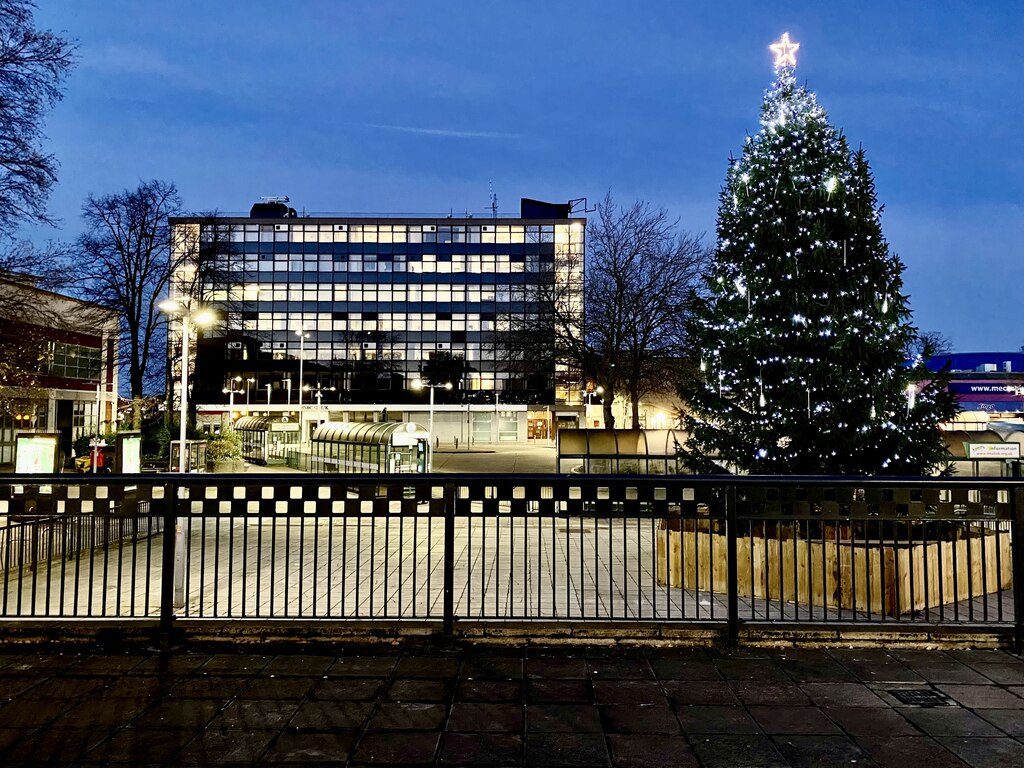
[
  {"x": 167, "y": 567},
  {"x": 732, "y": 570},
  {"x": 1017, "y": 554},
  {"x": 448, "y": 625}
]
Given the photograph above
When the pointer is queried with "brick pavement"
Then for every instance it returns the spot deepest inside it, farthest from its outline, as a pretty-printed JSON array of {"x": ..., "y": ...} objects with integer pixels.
[{"x": 511, "y": 706}]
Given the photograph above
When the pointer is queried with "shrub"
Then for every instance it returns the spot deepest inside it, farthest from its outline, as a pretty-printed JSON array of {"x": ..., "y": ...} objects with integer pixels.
[{"x": 226, "y": 445}]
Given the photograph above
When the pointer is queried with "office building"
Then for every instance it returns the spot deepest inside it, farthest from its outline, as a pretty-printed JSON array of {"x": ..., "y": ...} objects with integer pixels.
[{"x": 346, "y": 314}]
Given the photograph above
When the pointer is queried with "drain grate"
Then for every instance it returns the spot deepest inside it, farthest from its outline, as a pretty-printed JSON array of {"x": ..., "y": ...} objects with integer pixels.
[{"x": 919, "y": 698}]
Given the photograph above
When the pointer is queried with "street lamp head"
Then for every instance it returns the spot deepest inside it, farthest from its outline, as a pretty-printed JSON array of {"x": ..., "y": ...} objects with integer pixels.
[
  {"x": 599, "y": 390},
  {"x": 448, "y": 385},
  {"x": 203, "y": 317},
  {"x": 417, "y": 384},
  {"x": 251, "y": 380},
  {"x": 238, "y": 378},
  {"x": 169, "y": 305},
  {"x": 225, "y": 390},
  {"x": 302, "y": 334}
]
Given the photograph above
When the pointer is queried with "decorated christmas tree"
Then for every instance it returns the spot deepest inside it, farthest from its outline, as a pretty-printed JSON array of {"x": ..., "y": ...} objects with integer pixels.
[{"x": 803, "y": 333}]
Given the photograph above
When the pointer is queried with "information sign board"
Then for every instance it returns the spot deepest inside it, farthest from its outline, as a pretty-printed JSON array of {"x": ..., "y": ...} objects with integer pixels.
[{"x": 993, "y": 450}]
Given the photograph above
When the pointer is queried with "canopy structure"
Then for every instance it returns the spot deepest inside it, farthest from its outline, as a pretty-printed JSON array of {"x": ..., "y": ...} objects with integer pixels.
[
  {"x": 369, "y": 433},
  {"x": 251, "y": 423},
  {"x": 380, "y": 447}
]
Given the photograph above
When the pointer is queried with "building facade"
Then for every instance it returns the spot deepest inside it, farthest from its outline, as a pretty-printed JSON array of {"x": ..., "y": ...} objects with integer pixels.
[
  {"x": 345, "y": 316},
  {"x": 58, "y": 371},
  {"x": 990, "y": 383}
]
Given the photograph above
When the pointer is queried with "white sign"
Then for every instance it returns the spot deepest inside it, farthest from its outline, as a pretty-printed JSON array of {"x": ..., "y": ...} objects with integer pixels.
[
  {"x": 131, "y": 455},
  {"x": 35, "y": 454},
  {"x": 993, "y": 450}
]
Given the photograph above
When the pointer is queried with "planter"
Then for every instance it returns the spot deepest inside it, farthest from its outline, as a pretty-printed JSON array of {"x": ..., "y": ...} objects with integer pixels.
[
  {"x": 226, "y": 466},
  {"x": 875, "y": 575}
]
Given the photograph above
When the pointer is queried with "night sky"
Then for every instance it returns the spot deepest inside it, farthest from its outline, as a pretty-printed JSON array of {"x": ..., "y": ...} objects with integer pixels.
[{"x": 416, "y": 106}]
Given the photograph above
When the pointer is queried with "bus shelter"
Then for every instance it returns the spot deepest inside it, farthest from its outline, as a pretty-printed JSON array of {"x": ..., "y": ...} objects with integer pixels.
[
  {"x": 252, "y": 431},
  {"x": 620, "y": 451},
  {"x": 369, "y": 447}
]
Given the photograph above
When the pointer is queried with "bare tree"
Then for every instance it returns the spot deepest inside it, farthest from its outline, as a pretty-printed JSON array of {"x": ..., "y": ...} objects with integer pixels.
[
  {"x": 33, "y": 67},
  {"x": 641, "y": 275},
  {"x": 128, "y": 259},
  {"x": 929, "y": 344}
]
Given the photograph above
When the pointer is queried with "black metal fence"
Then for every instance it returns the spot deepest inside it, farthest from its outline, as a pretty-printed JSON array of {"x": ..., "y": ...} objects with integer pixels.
[{"x": 722, "y": 552}]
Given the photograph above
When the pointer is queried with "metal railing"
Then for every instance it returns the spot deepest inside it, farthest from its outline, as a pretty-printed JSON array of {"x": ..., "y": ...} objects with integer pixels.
[
  {"x": 721, "y": 552},
  {"x": 28, "y": 541}
]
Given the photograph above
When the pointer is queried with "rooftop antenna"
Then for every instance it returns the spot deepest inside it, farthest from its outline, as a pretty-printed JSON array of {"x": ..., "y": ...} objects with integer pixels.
[
  {"x": 578, "y": 205},
  {"x": 494, "y": 201}
]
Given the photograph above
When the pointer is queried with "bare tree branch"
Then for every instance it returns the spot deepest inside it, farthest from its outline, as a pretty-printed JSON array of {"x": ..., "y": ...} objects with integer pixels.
[
  {"x": 637, "y": 289},
  {"x": 33, "y": 67}
]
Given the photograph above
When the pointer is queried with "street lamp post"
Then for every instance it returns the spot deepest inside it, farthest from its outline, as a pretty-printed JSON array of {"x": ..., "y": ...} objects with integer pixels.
[
  {"x": 248, "y": 385},
  {"x": 269, "y": 387},
  {"x": 302, "y": 353},
  {"x": 230, "y": 391},
  {"x": 199, "y": 317},
  {"x": 421, "y": 384},
  {"x": 588, "y": 400},
  {"x": 318, "y": 393}
]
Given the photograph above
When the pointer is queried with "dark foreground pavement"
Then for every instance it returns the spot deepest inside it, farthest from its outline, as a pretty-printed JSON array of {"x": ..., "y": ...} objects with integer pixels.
[{"x": 498, "y": 706}]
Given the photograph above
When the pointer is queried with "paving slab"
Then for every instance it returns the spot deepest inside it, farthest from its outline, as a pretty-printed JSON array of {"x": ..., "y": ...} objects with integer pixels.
[
  {"x": 822, "y": 751},
  {"x": 783, "y": 720},
  {"x": 484, "y": 749},
  {"x": 728, "y": 751},
  {"x": 905, "y": 751},
  {"x": 650, "y": 751},
  {"x": 990, "y": 752}
]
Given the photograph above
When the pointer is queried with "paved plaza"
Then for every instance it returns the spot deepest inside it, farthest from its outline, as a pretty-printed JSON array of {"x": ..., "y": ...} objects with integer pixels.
[
  {"x": 523, "y": 458},
  {"x": 524, "y": 706},
  {"x": 504, "y": 567}
]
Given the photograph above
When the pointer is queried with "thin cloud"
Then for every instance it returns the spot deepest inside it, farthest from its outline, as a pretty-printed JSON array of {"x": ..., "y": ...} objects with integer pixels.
[
  {"x": 444, "y": 132},
  {"x": 131, "y": 59}
]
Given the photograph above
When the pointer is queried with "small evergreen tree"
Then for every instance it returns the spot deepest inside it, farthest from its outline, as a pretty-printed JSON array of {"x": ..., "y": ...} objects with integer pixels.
[{"x": 802, "y": 333}]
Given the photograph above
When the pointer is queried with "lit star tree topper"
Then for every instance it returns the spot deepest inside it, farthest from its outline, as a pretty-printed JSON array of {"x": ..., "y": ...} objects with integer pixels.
[
  {"x": 803, "y": 330},
  {"x": 785, "y": 51}
]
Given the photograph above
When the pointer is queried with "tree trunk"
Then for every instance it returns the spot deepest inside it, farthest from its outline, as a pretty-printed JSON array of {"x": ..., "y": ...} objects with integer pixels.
[
  {"x": 608, "y": 400},
  {"x": 136, "y": 412},
  {"x": 635, "y": 401}
]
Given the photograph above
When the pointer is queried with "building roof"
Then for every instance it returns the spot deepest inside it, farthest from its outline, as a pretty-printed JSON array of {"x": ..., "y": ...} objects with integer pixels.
[
  {"x": 252, "y": 424},
  {"x": 369, "y": 433},
  {"x": 978, "y": 362}
]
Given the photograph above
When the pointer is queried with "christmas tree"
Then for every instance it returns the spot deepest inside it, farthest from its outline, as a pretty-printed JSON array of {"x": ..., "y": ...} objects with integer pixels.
[{"x": 803, "y": 330}]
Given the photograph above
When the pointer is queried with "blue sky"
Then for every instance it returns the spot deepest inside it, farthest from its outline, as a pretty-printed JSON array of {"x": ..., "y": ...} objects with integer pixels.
[{"x": 417, "y": 106}]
